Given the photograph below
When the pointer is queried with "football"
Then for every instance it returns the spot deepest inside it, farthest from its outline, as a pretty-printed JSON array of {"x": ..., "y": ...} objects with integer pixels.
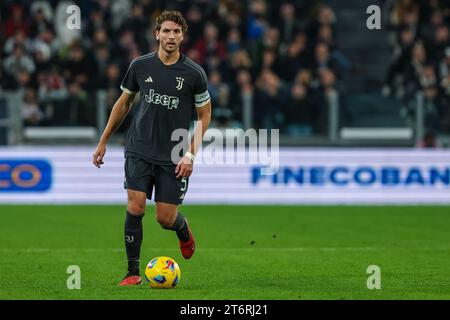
[{"x": 162, "y": 273}]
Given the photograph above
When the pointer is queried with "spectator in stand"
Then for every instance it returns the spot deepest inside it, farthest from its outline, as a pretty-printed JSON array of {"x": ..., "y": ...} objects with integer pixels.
[
  {"x": 436, "y": 20},
  {"x": 405, "y": 13},
  {"x": 325, "y": 17},
  {"x": 111, "y": 78},
  {"x": 48, "y": 38},
  {"x": 51, "y": 86},
  {"x": 194, "y": 55},
  {"x": 218, "y": 90},
  {"x": 125, "y": 45},
  {"x": 243, "y": 91},
  {"x": 110, "y": 82},
  {"x": 99, "y": 18},
  {"x": 444, "y": 65},
  {"x": 194, "y": 19},
  {"x": 42, "y": 57},
  {"x": 2, "y": 81},
  {"x": 287, "y": 24},
  {"x": 102, "y": 57},
  {"x": 424, "y": 66},
  {"x": 79, "y": 66},
  {"x": 441, "y": 41},
  {"x": 78, "y": 108},
  {"x": 434, "y": 103},
  {"x": 270, "y": 99},
  {"x": 100, "y": 39},
  {"x": 137, "y": 23},
  {"x": 257, "y": 20},
  {"x": 429, "y": 141},
  {"x": 39, "y": 23},
  {"x": 299, "y": 112},
  {"x": 234, "y": 41},
  {"x": 445, "y": 111},
  {"x": 16, "y": 21},
  {"x": 325, "y": 35},
  {"x": 220, "y": 97},
  {"x": 31, "y": 114},
  {"x": 269, "y": 42},
  {"x": 326, "y": 91},
  {"x": 401, "y": 60},
  {"x": 323, "y": 59},
  {"x": 414, "y": 70},
  {"x": 210, "y": 45},
  {"x": 18, "y": 61},
  {"x": 241, "y": 60},
  {"x": 270, "y": 61},
  {"x": 46, "y": 9},
  {"x": 24, "y": 80},
  {"x": 254, "y": 51},
  {"x": 18, "y": 39},
  {"x": 295, "y": 58},
  {"x": 304, "y": 77},
  {"x": 52, "y": 93}
]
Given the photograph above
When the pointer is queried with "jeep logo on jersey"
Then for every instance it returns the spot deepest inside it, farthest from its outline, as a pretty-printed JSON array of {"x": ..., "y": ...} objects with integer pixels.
[{"x": 169, "y": 101}]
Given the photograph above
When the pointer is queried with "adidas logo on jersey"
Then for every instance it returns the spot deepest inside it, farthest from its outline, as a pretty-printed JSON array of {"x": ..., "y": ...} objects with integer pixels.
[{"x": 149, "y": 79}]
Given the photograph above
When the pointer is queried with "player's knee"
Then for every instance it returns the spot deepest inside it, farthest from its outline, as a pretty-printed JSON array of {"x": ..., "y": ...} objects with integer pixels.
[
  {"x": 164, "y": 220},
  {"x": 136, "y": 208}
]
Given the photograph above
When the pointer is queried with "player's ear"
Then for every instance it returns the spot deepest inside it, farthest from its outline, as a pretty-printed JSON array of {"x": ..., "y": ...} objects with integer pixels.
[{"x": 157, "y": 34}]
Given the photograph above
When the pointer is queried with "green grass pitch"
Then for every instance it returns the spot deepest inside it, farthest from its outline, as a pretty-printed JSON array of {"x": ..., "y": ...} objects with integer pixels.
[{"x": 243, "y": 252}]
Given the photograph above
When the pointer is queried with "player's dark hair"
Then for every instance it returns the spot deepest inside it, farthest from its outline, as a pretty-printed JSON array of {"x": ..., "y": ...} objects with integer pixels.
[{"x": 171, "y": 15}]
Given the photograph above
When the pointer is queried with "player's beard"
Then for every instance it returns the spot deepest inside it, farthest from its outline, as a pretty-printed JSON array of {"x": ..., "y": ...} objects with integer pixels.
[{"x": 170, "y": 49}]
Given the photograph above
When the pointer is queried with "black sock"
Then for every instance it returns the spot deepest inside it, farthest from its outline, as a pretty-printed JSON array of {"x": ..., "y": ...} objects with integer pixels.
[
  {"x": 133, "y": 240},
  {"x": 180, "y": 227}
]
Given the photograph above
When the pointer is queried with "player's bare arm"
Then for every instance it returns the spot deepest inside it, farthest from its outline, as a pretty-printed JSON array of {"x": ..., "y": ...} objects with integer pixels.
[
  {"x": 118, "y": 114},
  {"x": 185, "y": 166}
]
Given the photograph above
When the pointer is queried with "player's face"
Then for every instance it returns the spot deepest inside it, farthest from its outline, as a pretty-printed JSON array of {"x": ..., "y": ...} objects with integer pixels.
[{"x": 170, "y": 36}]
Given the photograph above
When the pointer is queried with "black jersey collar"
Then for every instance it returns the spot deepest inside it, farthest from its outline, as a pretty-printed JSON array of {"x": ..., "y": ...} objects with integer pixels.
[{"x": 180, "y": 60}]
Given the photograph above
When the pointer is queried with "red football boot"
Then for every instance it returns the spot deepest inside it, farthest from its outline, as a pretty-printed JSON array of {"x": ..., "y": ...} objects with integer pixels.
[
  {"x": 130, "y": 280},
  {"x": 188, "y": 247}
]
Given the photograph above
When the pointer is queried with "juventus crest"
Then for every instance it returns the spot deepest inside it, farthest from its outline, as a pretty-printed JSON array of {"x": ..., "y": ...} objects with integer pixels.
[{"x": 179, "y": 83}]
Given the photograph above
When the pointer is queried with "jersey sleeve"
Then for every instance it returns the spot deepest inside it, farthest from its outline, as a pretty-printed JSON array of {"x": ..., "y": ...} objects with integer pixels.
[
  {"x": 129, "y": 83},
  {"x": 201, "y": 94}
]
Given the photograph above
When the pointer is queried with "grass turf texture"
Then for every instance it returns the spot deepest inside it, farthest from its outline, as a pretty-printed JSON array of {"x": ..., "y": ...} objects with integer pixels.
[{"x": 243, "y": 252}]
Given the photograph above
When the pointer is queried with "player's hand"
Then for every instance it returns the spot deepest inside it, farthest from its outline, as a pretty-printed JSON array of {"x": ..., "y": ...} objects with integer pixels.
[
  {"x": 184, "y": 167},
  {"x": 97, "y": 157}
]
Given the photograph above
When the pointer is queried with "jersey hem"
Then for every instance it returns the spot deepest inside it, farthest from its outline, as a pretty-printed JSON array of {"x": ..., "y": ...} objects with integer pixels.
[{"x": 148, "y": 159}]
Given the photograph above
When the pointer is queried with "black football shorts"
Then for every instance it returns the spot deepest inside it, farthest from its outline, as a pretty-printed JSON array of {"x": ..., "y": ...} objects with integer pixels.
[{"x": 141, "y": 175}]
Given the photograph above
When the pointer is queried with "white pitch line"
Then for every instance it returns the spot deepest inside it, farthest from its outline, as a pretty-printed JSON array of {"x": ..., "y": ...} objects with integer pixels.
[
  {"x": 292, "y": 249},
  {"x": 176, "y": 249}
]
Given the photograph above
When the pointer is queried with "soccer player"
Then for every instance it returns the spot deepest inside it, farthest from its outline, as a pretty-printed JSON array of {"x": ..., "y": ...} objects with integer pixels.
[{"x": 171, "y": 87}]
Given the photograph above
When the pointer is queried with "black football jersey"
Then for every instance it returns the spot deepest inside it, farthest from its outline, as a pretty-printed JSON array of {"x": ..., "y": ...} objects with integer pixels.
[{"x": 169, "y": 95}]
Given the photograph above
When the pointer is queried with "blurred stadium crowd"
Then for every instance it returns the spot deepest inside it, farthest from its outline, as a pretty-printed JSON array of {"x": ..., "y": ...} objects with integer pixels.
[
  {"x": 420, "y": 39},
  {"x": 281, "y": 55}
]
